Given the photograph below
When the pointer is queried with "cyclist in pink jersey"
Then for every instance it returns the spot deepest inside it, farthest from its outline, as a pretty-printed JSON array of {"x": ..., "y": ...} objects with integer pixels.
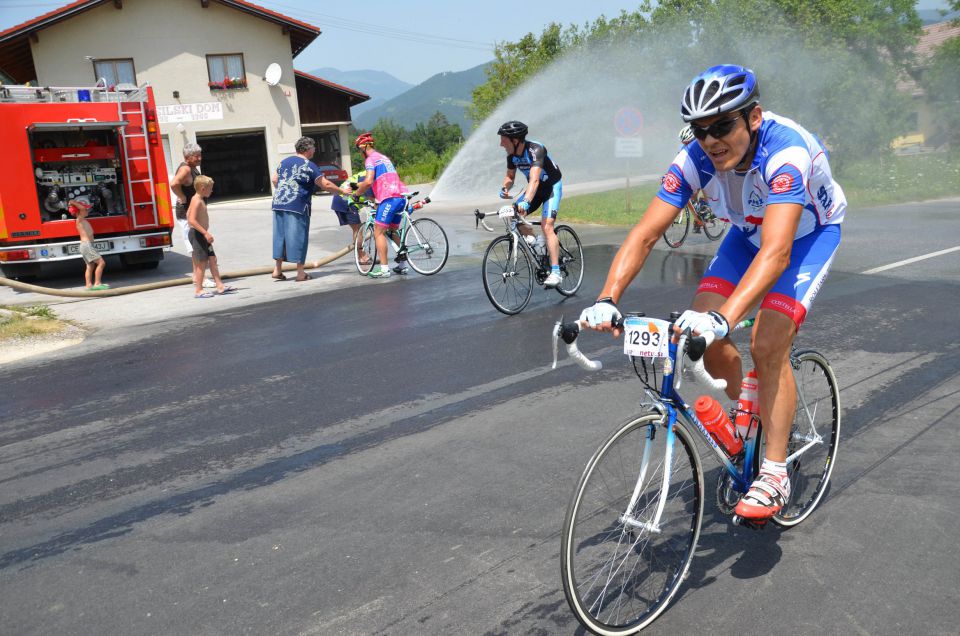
[{"x": 388, "y": 190}]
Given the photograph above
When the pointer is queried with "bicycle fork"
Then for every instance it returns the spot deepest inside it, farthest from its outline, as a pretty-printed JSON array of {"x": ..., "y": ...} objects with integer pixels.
[{"x": 628, "y": 518}]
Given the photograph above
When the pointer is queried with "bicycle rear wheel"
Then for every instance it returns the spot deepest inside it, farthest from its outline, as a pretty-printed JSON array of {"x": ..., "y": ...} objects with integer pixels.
[
  {"x": 618, "y": 572},
  {"x": 815, "y": 435},
  {"x": 570, "y": 259},
  {"x": 427, "y": 247},
  {"x": 367, "y": 246},
  {"x": 507, "y": 275},
  {"x": 714, "y": 228},
  {"x": 677, "y": 231}
]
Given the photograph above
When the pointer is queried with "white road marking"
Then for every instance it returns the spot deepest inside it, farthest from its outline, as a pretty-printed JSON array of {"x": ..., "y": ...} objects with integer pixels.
[{"x": 877, "y": 270}]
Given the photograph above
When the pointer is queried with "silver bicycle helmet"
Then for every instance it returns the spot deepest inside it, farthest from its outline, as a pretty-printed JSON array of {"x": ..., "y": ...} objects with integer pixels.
[
  {"x": 719, "y": 89},
  {"x": 686, "y": 135}
]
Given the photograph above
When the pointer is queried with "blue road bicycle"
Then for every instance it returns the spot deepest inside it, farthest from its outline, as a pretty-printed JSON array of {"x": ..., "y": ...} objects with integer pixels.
[{"x": 632, "y": 525}]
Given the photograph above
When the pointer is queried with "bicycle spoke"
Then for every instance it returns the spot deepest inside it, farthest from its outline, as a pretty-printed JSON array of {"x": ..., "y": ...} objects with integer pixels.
[
  {"x": 814, "y": 437},
  {"x": 618, "y": 573},
  {"x": 426, "y": 245}
]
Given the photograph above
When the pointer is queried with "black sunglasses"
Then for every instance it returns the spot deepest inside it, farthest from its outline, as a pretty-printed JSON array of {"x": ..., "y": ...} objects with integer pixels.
[{"x": 717, "y": 129}]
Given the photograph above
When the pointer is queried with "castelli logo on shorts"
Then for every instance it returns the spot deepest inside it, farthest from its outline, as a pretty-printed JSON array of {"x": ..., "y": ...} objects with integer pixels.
[
  {"x": 775, "y": 302},
  {"x": 781, "y": 183},
  {"x": 671, "y": 183}
]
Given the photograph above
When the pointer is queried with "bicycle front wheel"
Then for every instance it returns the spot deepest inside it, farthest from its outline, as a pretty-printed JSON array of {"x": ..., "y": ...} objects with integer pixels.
[
  {"x": 814, "y": 436},
  {"x": 366, "y": 247},
  {"x": 714, "y": 228},
  {"x": 570, "y": 258},
  {"x": 507, "y": 275},
  {"x": 677, "y": 232},
  {"x": 623, "y": 558},
  {"x": 427, "y": 247}
]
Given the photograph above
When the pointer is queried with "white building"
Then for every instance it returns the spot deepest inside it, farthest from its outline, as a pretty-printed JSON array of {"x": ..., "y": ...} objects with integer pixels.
[{"x": 207, "y": 61}]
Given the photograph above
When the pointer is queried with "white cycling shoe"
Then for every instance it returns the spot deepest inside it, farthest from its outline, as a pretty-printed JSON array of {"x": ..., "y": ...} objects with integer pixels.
[{"x": 553, "y": 280}]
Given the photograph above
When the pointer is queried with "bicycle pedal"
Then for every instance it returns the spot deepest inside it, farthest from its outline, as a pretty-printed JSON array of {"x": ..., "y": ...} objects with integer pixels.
[{"x": 752, "y": 524}]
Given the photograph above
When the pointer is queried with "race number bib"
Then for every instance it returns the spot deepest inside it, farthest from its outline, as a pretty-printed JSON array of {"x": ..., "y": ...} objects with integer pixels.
[{"x": 646, "y": 337}]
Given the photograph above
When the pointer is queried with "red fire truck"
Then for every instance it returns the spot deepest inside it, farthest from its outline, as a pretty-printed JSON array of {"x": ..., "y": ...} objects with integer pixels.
[{"x": 92, "y": 142}]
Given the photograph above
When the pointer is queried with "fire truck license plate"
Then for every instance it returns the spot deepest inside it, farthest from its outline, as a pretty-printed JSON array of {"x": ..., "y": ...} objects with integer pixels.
[{"x": 100, "y": 246}]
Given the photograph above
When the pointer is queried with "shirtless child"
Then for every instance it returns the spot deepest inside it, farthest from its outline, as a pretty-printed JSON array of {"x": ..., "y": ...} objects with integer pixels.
[
  {"x": 94, "y": 262},
  {"x": 202, "y": 240}
]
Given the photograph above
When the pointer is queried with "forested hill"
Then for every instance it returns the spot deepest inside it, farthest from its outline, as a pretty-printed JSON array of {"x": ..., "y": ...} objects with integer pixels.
[
  {"x": 450, "y": 93},
  {"x": 379, "y": 85}
]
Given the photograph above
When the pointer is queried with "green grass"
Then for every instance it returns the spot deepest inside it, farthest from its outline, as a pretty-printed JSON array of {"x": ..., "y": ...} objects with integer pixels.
[
  {"x": 875, "y": 181},
  {"x": 22, "y": 322},
  {"x": 892, "y": 179},
  {"x": 608, "y": 208}
]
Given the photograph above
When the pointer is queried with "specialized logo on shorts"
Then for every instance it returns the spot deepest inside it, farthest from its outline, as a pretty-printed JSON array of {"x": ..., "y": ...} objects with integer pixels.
[
  {"x": 802, "y": 277},
  {"x": 671, "y": 183},
  {"x": 781, "y": 183}
]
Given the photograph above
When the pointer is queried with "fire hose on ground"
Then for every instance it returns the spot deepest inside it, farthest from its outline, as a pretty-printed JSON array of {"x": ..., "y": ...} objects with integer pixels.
[{"x": 173, "y": 282}]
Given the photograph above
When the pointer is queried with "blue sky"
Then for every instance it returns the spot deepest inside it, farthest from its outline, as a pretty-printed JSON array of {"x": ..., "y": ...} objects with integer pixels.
[{"x": 411, "y": 39}]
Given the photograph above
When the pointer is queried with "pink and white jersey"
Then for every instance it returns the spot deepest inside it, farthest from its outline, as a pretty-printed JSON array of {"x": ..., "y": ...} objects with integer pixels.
[
  {"x": 386, "y": 181},
  {"x": 790, "y": 166}
]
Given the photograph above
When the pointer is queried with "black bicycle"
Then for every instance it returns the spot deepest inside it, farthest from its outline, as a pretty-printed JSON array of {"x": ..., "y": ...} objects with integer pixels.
[
  {"x": 511, "y": 264},
  {"x": 697, "y": 211}
]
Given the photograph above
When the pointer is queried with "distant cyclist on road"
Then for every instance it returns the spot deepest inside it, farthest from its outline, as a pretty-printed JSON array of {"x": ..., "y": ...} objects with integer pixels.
[
  {"x": 774, "y": 181},
  {"x": 543, "y": 187},
  {"x": 388, "y": 190},
  {"x": 704, "y": 212}
]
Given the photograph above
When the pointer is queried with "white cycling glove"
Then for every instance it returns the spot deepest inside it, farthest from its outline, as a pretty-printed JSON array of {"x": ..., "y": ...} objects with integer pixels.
[
  {"x": 604, "y": 310},
  {"x": 702, "y": 322}
]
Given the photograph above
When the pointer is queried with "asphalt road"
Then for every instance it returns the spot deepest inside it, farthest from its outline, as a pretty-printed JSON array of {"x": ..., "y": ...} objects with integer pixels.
[{"x": 396, "y": 457}]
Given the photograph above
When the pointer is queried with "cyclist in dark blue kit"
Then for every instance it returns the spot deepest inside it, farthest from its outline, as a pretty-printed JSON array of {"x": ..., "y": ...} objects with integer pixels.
[{"x": 544, "y": 188}]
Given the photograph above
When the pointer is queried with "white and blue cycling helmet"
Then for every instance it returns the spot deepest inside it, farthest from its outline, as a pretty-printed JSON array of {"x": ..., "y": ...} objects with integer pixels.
[{"x": 719, "y": 89}]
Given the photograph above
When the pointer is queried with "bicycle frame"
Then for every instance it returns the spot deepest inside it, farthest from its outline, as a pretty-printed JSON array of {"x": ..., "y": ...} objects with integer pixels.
[
  {"x": 512, "y": 230},
  {"x": 406, "y": 226},
  {"x": 672, "y": 406}
]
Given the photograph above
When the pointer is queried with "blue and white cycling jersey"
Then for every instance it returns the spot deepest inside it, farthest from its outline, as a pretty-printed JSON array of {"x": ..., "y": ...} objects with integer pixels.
[{"x": 790, "y": 166}]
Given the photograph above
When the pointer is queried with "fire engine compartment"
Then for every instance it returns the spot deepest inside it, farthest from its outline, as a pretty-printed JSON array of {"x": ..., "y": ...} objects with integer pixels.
[{"x": 77, "y": 161}]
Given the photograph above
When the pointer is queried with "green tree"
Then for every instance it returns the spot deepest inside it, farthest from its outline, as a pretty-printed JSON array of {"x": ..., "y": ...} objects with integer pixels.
[
  {"x": 941, "y": 81},
  {"x": 513, "y": 63},
  {"x": 853, "y": 53},
  {"x": 437, "y": 134},
  {"x": 419, "y": 154}
]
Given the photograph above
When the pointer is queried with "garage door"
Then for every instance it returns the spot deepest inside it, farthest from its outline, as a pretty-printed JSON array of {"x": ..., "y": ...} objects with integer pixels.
[{"x": 238, "y": 164}]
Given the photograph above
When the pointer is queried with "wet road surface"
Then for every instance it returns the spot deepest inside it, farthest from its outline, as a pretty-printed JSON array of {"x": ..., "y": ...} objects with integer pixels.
[{"x": 397, "y": 458}]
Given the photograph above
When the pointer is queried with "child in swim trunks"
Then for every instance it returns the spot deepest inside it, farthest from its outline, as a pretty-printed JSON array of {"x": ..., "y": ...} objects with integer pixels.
[{"x": 80, "y": 208}]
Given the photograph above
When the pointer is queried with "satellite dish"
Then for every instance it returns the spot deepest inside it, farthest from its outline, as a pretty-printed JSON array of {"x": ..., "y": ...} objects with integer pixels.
[{"x": 272, "y": 75}]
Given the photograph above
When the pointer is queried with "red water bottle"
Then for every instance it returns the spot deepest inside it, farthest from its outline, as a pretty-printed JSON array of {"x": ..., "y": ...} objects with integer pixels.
[
  {"x": 718, "y": 424},
  {"x": 748, "y": 405}
]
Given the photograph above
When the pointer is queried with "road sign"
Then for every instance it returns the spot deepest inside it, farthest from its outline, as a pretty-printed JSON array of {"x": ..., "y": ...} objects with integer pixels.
[
  {"x": 628, "y": 122},
  {"x": 628, "y": 147}
]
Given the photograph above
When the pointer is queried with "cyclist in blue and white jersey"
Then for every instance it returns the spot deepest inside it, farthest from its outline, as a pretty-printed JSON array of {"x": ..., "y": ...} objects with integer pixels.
[
  {"x": 544, "y": 187},
  {"x": 772, "y": 179}
]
